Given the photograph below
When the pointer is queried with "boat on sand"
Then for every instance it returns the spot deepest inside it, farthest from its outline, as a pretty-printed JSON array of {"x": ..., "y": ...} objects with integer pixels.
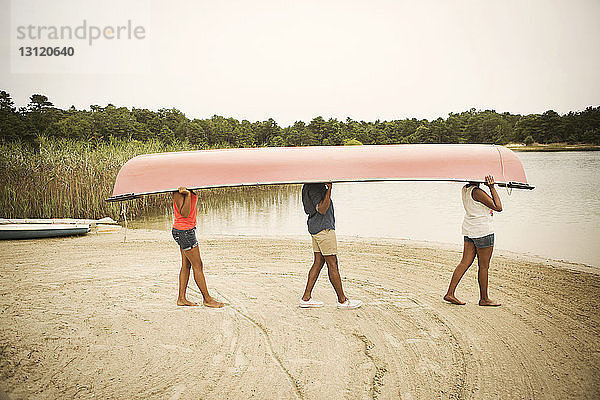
[
  {"x": 15, "y": 231},
  {"x": 91, "y": 222}
]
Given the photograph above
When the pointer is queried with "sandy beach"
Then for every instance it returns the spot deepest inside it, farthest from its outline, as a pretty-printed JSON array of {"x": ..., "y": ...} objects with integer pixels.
[{"x": 93, "y": 317}]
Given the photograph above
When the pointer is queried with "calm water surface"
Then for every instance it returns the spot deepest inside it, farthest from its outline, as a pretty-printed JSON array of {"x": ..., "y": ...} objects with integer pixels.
[{"x": 560, "y": 218}]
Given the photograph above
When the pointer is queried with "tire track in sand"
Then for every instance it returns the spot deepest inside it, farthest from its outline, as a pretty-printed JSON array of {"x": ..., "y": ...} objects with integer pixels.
[
  {"x": 393, "y": 304},
  {"x": 267, "y": 337},
  {"x": 380, "y": 368}
]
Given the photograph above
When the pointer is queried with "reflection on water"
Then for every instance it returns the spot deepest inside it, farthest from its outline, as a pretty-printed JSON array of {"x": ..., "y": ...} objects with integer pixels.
[{"x": 559, "y": 219}]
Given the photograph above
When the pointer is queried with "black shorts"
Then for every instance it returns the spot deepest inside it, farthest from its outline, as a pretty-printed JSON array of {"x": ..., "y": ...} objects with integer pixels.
[{"x": 185, "y": 239}]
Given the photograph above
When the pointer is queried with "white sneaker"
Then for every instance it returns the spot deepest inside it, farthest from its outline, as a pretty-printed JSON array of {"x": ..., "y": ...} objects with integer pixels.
[
  {"x": 350, "y": 304},
  {"x": 310, "y": 303}
]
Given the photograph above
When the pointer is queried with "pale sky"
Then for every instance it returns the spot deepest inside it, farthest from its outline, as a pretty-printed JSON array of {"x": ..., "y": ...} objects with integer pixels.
[{"x": 368, "y": 60}]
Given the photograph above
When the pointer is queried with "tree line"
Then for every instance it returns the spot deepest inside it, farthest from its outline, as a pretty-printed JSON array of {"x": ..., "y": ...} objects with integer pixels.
[{"x": 40, "y": 119}]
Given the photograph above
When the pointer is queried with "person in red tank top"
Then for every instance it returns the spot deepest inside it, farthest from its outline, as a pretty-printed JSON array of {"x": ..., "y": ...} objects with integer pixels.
[{"x": 184, "y": 233}]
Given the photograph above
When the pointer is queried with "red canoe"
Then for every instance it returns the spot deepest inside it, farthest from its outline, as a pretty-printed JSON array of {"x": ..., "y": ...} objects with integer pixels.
[{"x": 165, "y": 172}]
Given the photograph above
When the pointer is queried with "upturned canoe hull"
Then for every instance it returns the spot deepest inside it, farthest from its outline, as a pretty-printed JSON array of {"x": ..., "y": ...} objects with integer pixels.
[{"x": 165, "y": 172}]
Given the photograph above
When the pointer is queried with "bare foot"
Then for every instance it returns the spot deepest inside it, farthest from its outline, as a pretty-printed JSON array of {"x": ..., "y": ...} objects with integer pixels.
[
  {"x": 488, "y": 303},
  {"x": 453, "y": 300},
  {"x": 212, "y": 303},
  {"x": 185, "y": 302}
]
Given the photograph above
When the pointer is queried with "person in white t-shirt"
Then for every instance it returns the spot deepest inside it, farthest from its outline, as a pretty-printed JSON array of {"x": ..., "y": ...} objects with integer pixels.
[{"x": 478, "y": 233}]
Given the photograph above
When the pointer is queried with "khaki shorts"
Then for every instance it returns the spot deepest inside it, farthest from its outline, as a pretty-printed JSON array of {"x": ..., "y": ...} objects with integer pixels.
[{"x": 325, "y": 242}]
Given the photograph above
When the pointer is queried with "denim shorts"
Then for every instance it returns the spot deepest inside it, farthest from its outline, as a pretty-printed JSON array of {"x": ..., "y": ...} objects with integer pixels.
[
  {"x": 185, "y": 239},
  {"x": 481, "y": 242}
]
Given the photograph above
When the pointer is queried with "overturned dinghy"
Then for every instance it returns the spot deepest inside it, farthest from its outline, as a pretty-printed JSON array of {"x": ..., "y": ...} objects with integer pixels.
[
  {"x": 91, "y": 222},
  {"x": 36, "y": 231},
  {"x": 165, "y": 172}
]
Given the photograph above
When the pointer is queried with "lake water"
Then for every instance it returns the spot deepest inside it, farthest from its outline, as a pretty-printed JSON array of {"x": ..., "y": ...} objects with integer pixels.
[{"x": 560, "y": 218}]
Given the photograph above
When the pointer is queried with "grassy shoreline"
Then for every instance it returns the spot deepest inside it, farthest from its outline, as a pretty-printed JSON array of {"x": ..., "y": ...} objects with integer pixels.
[
  {"x": 554, "y": 147},
  {"x": 70, "y": 178}
]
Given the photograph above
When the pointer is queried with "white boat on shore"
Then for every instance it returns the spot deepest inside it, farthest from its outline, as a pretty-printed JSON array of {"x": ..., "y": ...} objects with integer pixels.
[
  {"x": 14, "y": 231},
  {"x": 91, "y": 222}
]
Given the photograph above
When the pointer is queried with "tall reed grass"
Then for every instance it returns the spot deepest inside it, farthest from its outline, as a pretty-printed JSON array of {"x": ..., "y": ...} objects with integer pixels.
[
  {"x": 64, "y": 178},
  {"x": 67, "y": 178}
]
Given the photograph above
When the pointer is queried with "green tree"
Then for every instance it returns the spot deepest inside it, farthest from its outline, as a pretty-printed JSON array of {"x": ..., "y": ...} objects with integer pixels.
[
  {"x": 276, "y": 141},
  {"x": 6, "y": 102},
  {"x": 220, "y": 132},
  {"x": 197, "y": 136},
  {"x": 264, "y": 131},
  {"x": 529, "y": 125},
  {"x": 318, "y": 129},
  {"x": 528, "y": 141},
  {"x": 589, "y": 125},
  {"x": 38, "y": 102},
  {"x": 439, "y": 132},
  {"x": 75, "y": 125},
  {"x": 10, "y": 122},
  {"x": 39, "y": 118},
  {"x": 244, "y": 135},
  {"x": 150, "y": 121},
  {"x": 552, "y": 127},
  {"x": 299, "y": 135},
  {"x": 422, "y": 135},
  {"x": 167, "y": 135}
]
